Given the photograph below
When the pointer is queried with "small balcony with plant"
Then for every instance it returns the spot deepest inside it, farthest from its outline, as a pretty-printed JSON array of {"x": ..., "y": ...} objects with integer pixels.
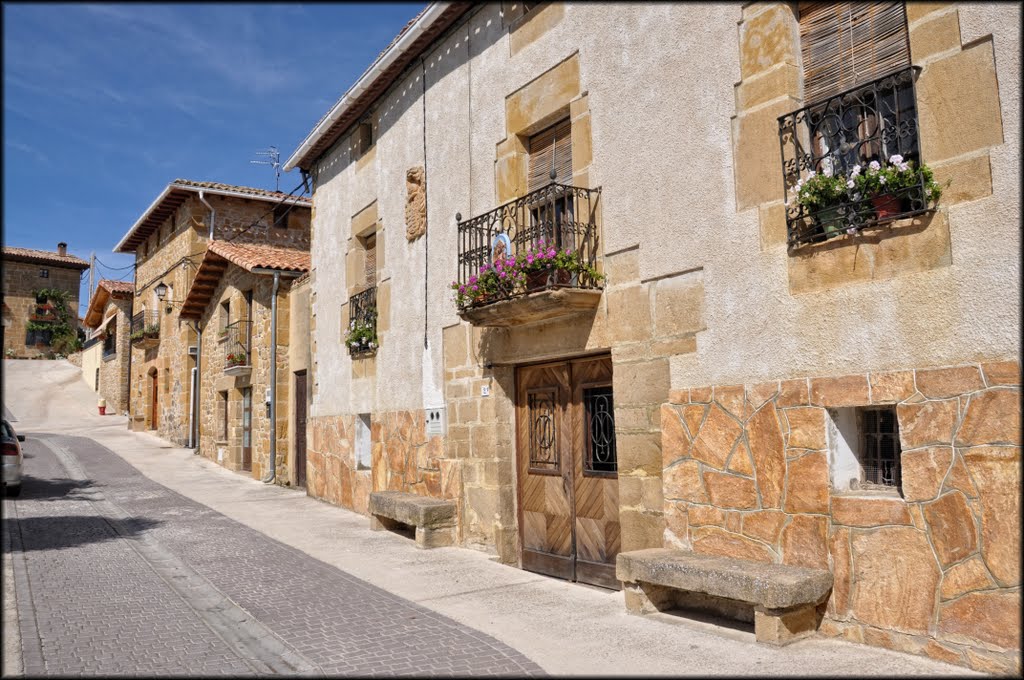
[
  {"x": 851, "y": 162},
  {"x": 145, "y": 329},
  {"x": 237, "y": 344},
  {"x": 361, "y": 337},
  {"x": 531, "y": 259}
]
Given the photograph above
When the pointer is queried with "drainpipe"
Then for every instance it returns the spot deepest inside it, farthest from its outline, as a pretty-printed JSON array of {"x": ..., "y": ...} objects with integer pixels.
[
  {"x": 194, "y": 429},
  {"x": 273, "y": 381},
  {"x": 213, "y": 213}
]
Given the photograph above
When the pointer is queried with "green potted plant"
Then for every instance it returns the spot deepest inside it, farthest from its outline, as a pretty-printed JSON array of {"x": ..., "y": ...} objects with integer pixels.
[
  {"x": 821, "y": 194},
  {"x": 362, "y": 334},
  {"x": 886, "y": 185}
]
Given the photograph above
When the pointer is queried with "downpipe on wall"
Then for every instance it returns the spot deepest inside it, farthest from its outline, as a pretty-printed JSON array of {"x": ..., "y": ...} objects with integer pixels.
[
  {"x": 213, "y": 213},
  {"x": 272, "y": 475}
]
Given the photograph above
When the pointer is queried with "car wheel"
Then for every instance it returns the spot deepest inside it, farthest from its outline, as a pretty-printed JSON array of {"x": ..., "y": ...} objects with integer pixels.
[{"x": 12, "y": 491}]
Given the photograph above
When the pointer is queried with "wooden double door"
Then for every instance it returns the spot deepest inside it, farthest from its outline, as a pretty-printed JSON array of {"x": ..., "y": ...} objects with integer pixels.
[{"x": 568, "y": 470}]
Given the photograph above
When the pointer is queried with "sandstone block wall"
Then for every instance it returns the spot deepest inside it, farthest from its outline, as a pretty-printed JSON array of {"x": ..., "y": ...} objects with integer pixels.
[
  {"x": 746, "y": 473},
  {"x": 20, "y": 280},
  {"x": 114, "y": 369},
  {"x": 228, "y": 452},
  {"x": 173, "y": 253}
]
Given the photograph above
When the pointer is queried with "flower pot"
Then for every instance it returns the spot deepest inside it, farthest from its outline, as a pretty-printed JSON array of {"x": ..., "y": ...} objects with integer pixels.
[
  {"x": 538, "y": 279},
  {"x": 830, "y": 220},
  {"x": 886, "y": 206},
  {"x": 103, "y": 410}
]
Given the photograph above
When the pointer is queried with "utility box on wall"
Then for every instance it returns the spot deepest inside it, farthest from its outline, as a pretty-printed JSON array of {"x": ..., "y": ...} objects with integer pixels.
[{"x": 437, "y": 423}]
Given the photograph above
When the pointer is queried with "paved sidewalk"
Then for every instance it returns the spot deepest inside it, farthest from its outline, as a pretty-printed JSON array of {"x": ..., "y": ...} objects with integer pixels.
[{"x": 564, "y": 628}]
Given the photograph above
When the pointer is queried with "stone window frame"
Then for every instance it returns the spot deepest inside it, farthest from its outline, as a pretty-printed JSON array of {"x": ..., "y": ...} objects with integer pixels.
[{"x": 223, "y": 402}]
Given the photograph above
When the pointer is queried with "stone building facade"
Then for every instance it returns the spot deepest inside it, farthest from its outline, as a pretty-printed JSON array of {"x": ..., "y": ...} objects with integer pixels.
[
  {"x": 27, "y": 271},
  {"x": 744, "y": 369},
  {"x": 110, "y": 317},
  {"x": 234, "y": 307},
  {"x": 169, "y": 241}
]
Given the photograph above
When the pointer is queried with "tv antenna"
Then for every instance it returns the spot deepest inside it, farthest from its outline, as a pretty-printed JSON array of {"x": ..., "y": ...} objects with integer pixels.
[{"x": 274, "y": 160}]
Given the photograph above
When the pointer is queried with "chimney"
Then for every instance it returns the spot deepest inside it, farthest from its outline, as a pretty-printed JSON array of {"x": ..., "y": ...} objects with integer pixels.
[{"x": 62, "y": 248}]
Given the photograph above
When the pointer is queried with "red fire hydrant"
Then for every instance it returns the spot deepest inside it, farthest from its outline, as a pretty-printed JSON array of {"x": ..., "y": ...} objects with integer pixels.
[{"x": 102, "y": 405}]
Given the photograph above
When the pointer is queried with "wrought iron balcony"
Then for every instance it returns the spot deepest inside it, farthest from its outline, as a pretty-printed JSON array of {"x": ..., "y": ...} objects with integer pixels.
[
  {"x": 145, "y": 328},
  {"x": 361, "y": 337},
  {"x": 237, "y": 347},
  {"x": 871, "y": 122},
  {"x": 556, "y": 218}
]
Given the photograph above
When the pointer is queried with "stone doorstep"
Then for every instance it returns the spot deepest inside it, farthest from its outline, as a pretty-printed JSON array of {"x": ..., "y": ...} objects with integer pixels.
[{"x": 785, "y": 597}]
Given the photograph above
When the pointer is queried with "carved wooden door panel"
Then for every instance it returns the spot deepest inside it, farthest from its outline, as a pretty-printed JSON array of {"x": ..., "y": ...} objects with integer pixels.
[
  {"x": 595, "y": 472},
  {"x": 543, "y": 442},
  {"x": 568, "y": 486}
]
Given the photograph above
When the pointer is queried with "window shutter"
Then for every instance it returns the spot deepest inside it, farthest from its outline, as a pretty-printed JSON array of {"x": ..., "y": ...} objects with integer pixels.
[
  {"x": 844, "y": 44},
  {"x": 554, "y": 143},
  {"x": 370, "y": 269}
]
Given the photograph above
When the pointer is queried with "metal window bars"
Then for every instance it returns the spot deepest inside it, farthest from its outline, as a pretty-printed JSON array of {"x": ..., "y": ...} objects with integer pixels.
[
  {"x": 560, "y": 215},
  {"x": 238, "y": 344},
  {"x": 362, "y": 328},
  {"x": 870, "y": 122}
]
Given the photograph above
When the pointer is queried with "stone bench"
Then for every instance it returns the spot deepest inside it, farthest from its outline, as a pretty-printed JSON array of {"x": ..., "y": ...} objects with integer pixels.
[
  {"x": 434, "y": 519},
  {"x": 785, "y": 598}
]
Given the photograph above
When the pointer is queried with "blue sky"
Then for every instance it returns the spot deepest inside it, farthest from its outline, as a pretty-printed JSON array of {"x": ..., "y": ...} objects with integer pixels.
[{"x": 105, "y": 104}]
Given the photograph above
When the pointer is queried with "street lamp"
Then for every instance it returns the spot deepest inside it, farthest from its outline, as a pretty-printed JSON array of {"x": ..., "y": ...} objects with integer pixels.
[{"x": 161, "y": 291}]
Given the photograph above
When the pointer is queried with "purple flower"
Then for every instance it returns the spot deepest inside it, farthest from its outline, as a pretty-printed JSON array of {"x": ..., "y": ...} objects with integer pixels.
[
  {"x": 476, "y": 288},
  {"x": 472, "y": 279},
  {"x": 502, "y": 275},
  {"x": 485, "y": 267},
  {"x": 551, "y": 252},
  {"x": 462, "y": 289},
  {"x": 529, "y": 258}
]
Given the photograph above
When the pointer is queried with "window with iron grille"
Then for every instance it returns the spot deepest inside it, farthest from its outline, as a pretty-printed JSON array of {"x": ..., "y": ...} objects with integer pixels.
[
  {"x": 222, "y": 399},
  {"x": 859, "y": 86},
  {"x": 880, "y": 448},
  {"x": 599, "y": 409},
  {"x": 44, "y": 273}
]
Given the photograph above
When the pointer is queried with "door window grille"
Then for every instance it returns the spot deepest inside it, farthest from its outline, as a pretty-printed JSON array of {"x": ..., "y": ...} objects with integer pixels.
[
  {"x": 541, "y": 405},
  {"x": 599, "y": 407}
]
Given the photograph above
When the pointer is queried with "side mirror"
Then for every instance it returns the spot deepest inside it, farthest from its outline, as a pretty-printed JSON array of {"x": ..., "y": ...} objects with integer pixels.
[{"x": 21, "y": 437}]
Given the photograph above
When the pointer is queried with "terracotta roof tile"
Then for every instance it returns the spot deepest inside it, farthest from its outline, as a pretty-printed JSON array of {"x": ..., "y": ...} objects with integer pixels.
[
  {"x": 251, "y": 255},
  {"x": 252, "y": 191},
  {"x": 43, "y": 256},
  {"x": 245, "y": 255},
  {"x": 117, "y": 288}
]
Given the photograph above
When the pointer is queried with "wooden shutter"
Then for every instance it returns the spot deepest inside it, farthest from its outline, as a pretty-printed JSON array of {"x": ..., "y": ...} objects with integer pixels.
[
  {"x": 371, "y": 259},
  {"x": 551, "y": 145},
  {"x": 844, "y": 44}
]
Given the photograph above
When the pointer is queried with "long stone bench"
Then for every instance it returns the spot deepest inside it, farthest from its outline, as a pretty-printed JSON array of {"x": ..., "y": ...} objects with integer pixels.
[
  {"x": 786, "y": 599},
  {"x": 434, "y": 519}
]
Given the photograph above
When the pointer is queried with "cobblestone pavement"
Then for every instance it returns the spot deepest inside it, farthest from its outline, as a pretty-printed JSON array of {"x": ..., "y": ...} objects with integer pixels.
[{"x": 118, "y": 575}]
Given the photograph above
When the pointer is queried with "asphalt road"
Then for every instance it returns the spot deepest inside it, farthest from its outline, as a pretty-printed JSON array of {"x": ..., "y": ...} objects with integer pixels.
[{"x": 126, "y": 555}]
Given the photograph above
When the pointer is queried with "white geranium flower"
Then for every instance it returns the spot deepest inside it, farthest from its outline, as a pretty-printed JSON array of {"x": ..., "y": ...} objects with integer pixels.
[
  {"x": 874, "y": 166},
  {"x": 881, "y": 180},
  {"x": 896, "y": 159},
  {"x": 856, "y": 171},
  {"x": 850, "y": 184}
]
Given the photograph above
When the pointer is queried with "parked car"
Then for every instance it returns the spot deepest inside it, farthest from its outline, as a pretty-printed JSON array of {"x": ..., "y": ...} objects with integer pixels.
[{"x": 12, "y": 459}]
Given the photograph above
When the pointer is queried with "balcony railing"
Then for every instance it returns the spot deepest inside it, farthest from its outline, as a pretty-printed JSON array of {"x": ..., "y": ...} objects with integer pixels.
[
  {"x": 362, "y": 325},
  {"x": 557, "y": 216},
  {"x": 871, "y": 122},
  {"x": 145, "y": 326},
  {"x": 237, "y": 345}
]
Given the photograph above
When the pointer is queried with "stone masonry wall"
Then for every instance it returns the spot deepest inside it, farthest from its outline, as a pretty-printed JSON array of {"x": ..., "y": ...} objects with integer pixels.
[
  {"x": 20, "y": 279},
  {"x": 936, "y": 571},
  {"x": 228, "y": 452},
  {"x": 403, "y": 458},
  {"x": 184, "y": 235},
  {"x": 114, "y": 369}
]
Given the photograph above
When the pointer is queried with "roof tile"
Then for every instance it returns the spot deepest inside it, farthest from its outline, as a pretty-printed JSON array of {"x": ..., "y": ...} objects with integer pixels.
[{"x": 30, "y": 255}]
